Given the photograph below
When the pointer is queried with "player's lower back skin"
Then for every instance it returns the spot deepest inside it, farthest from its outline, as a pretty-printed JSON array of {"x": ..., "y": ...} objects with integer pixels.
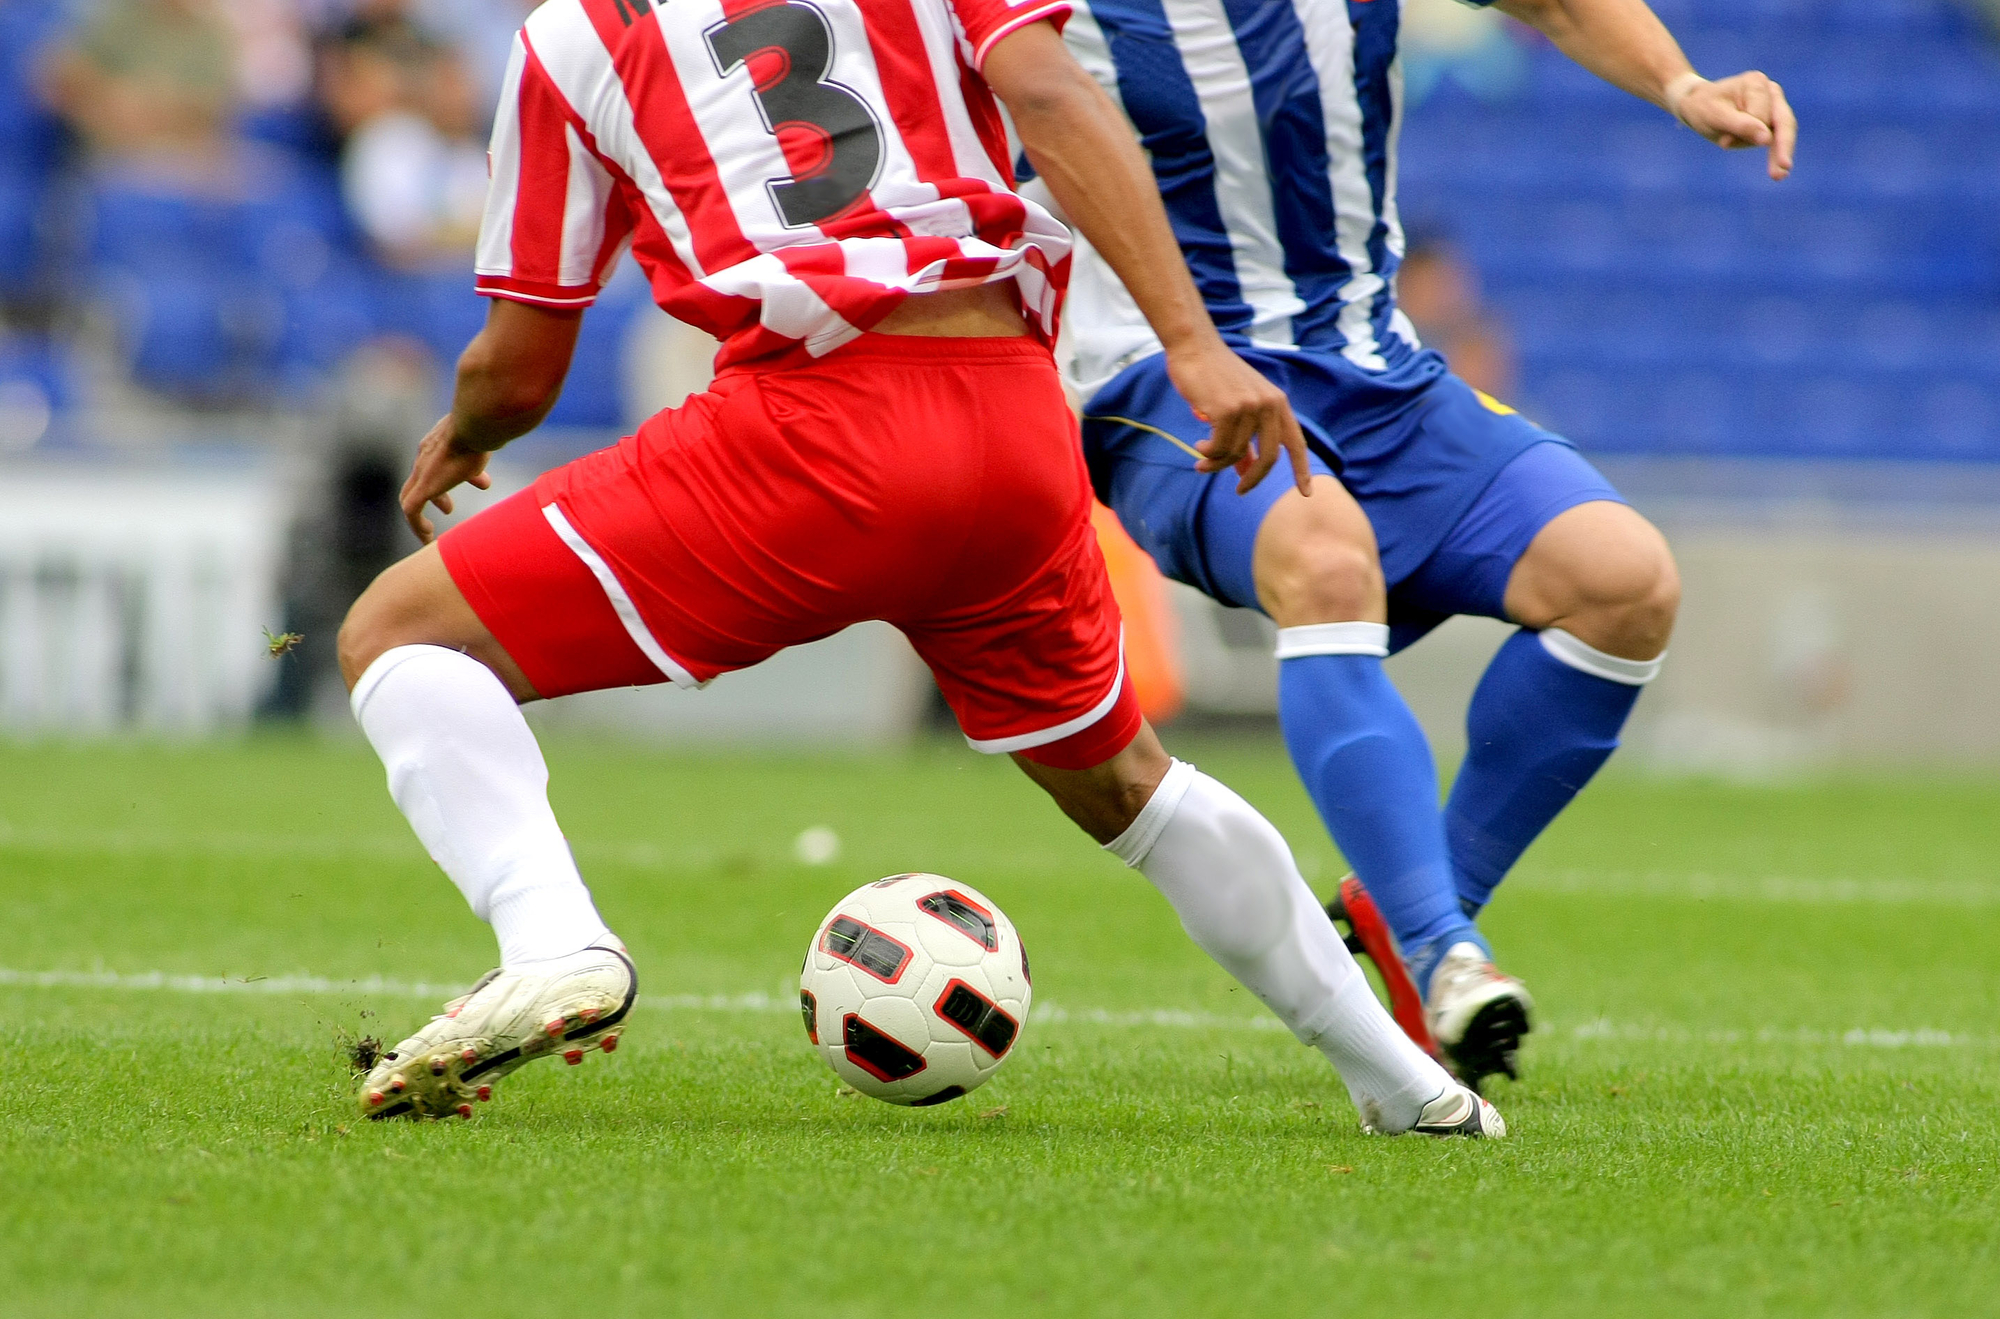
[{"x": 987, "y": 311}]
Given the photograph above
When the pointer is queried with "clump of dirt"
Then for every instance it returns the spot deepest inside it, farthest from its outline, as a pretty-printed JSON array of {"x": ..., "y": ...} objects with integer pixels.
[{"x": 363, "y": 1054}]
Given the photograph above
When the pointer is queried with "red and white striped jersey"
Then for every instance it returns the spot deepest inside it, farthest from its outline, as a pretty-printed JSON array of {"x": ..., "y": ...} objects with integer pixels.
[{"x": 785, "y": 171}]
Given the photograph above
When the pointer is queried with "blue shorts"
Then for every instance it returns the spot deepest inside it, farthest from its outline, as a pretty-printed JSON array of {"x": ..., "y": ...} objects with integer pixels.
[{"x": 1455, "y": 485}]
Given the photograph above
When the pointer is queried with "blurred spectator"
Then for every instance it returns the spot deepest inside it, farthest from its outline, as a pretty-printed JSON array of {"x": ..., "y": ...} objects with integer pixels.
[
  {"x": 413, "y": 169},
  {"x": 150, "y": 83},
  {"x": 482, "y": 32},
  {"x": 1439, "y": 291},
  {"x": 273, "y": 53}
]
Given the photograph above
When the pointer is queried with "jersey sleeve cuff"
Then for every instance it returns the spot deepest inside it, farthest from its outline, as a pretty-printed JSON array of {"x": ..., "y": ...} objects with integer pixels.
[
  {"x": 528, "y": 290},
  {"x": 1057, "y": 12}
]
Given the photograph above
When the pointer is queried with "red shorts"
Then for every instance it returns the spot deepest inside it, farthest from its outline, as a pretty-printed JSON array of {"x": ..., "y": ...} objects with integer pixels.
[{"x": 934, "y": 483}]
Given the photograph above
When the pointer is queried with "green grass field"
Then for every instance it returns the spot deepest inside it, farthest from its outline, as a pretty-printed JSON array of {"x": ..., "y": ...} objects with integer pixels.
[{"x": 1766, "y": 1082}]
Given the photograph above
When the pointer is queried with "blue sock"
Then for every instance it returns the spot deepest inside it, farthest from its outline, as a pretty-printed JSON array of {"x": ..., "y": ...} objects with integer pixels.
[
  {"x": 1538, "y": 728},
  {"x": 1364, "y": 760}
]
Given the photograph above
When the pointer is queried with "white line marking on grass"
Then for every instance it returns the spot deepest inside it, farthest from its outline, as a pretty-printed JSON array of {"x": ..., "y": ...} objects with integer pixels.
[
  {"x": 1045, "y": 1012},
  {"x": 1781, "y": 889},
  {"x": 1603, "y": 1029}
]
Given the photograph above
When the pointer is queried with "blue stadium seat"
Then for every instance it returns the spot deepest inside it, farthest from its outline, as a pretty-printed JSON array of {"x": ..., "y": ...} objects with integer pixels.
[
  {"x": 1666, "y": 298},
  {"x": 241, "y": 297},
  {"x": 30, "y": 144},
  {"x": 21, "y": 201}
]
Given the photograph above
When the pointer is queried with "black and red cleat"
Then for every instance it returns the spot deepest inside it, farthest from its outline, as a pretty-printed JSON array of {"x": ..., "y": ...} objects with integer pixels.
[{"x": 1368, "y": 935}]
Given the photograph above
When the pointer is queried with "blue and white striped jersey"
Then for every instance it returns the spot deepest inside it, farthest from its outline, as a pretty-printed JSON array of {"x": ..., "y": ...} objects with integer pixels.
[{"x": 1272, "y": 129}]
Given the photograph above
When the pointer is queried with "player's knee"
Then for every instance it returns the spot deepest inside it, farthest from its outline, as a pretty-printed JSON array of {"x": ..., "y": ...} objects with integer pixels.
[
  {"x": 1321, "y": 576},
  {"x": 364, "y": 635},
  {"x": 1620, "y": 594},
  {"x": 388, "y": 614},
  {"x": 1654, "y": 609},
  {"x": 1631, "y": 604}
]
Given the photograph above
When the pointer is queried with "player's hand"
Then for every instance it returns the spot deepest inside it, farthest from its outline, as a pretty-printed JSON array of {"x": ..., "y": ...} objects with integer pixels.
[
  {"x": 1748, "y": 110},
  {"x": 442, "y": 463},
  {"x": 1250, "y": 419}
]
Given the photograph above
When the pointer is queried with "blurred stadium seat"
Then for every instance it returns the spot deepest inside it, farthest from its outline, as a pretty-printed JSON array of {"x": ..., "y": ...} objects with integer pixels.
[
  {"x": 1666, "y": 299},
  {"x": 30, "y": 143}
]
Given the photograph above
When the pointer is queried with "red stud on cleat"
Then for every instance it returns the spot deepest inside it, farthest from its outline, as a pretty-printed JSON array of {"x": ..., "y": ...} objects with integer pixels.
[
  {"x": 610, "y": 1044},
  {"x": 375, "y": 1098},
  {"x": 396, "y": 1084},
  {"x": 437, "y": 1067},
  {"x": 588, "y": 1014},
  {"x": 485, "y": 1093},
  {"x": 573, "y": 1057},
  {"x": 469, "y": 1054},
  {"x": 555, "y": 1027},
  {"x": 465, "y": 1110}
]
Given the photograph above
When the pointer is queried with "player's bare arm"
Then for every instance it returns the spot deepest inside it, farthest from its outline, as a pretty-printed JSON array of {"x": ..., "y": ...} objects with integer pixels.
[
  {"x": 1624, "y": 43},
  {"x": 1081, "y": 145},
  {"x": 508, "y": 379}
]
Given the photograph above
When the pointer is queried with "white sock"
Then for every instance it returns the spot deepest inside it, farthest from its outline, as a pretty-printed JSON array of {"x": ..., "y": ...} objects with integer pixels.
[
  {"x": 1232, "y": 881},
  {"x": 470, "y": 779}
]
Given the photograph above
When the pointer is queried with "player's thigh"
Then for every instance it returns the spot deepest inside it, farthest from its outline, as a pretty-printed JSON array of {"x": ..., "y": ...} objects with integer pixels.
[
  {"x": 416, "y": 603},
  {"x": 1037, "y": 672},
  {"x": 1315, "y": 559},
  {"x": 1602, "y": 572},
  {"x": 1474, "y": 567},
  {"x": 1139, "y": 436}
]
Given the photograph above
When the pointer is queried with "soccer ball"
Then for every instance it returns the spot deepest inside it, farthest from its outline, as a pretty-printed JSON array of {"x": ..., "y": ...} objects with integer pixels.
[{"x": 915, "y": 989}]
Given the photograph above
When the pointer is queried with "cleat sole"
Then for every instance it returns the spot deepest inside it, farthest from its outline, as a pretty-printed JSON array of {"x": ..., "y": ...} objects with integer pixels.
[{"x": 1491, "y": 1044}]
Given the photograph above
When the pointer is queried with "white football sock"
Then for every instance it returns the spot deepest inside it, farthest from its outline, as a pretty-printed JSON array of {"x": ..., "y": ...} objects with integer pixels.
[
  {"x": 1232, "y": 881},
  {"x": 470, "y": 779}
]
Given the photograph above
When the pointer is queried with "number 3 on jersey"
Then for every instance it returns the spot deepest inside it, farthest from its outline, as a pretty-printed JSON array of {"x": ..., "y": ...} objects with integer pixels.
[{"x": 828, "y": 134}]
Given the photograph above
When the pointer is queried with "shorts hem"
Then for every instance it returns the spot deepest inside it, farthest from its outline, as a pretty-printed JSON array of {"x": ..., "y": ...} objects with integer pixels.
[
  {"x": 1003, "y": 746},
  {"x": 621, "y": 602}
]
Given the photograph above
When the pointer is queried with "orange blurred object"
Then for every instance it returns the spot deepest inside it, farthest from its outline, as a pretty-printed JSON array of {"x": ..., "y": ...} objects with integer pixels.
[{"x": 1152, "y": 635}]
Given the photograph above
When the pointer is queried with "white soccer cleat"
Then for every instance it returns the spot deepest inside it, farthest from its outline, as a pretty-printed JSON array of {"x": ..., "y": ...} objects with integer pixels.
[
  {"x": 1477, "y": 1015},
  {"x": 1460, "y": 1112},
  {"x": 566, "y": 1005}
]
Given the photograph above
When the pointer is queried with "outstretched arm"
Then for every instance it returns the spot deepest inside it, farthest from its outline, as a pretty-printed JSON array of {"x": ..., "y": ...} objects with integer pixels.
[
  {"x": 508, "y": 379},
  {"x": 1081, "y": 145},
  {"x": 1624, "y": 43}
]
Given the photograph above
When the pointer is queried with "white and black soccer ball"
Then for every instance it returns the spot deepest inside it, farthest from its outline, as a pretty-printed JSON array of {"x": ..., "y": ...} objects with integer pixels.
[{"x": 915, "y": 989}]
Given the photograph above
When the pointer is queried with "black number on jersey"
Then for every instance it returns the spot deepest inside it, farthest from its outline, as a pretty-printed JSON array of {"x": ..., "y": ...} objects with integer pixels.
[
  {"x": 631, "y": 10},
  {"x": 799, "y": 100}
]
